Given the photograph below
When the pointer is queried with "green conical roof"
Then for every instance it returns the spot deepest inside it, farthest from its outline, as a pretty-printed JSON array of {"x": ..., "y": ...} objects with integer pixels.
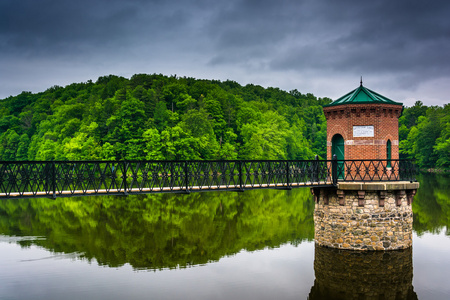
[{"x": 362, "y": 95}]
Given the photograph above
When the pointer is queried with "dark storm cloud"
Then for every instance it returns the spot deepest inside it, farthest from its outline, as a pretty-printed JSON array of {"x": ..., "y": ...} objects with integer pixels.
[
  {"x": 49, "y": 26},
  {"x": 63, "y": 27},
  {"x": 408, "y": 41},
  {"x": 339, "y": 36}
]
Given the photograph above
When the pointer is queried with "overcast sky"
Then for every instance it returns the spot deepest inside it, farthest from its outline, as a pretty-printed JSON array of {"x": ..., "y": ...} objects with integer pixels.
[{"x": 401, "y": 48}]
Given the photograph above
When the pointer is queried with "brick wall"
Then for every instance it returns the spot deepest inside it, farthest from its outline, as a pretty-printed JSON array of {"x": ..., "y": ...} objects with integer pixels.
[{"x": 384, "y": 118}]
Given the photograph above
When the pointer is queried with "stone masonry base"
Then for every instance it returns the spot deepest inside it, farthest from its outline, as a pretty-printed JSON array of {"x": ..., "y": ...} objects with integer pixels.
[{"x": 364, "y": 216}]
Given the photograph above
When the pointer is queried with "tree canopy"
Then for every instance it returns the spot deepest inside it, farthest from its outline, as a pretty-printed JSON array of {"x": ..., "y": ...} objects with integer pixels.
[
  {"x": 425, "y": 135},
  {"x": 161, "y": 117}
]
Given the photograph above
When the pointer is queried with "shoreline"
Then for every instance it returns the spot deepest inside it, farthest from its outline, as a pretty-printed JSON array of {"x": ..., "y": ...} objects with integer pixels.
[{"x": 435, "y": 171}]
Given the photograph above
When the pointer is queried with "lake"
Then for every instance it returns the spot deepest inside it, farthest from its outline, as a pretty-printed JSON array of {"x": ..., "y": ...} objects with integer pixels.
[{"x": 214, "y": 245}]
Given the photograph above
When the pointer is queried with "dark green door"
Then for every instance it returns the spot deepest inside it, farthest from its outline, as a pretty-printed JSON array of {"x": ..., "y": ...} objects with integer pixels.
[
  {"x": 388, "y": 153},
  {"x": 337, "y": 147}
]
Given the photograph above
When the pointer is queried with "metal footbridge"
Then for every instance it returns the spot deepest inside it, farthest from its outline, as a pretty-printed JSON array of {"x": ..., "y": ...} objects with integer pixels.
[{"x": 28, "y": 179}]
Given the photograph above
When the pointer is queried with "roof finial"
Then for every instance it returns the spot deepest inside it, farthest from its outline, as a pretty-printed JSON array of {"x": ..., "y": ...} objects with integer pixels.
[{"x": 360, "y": 83}]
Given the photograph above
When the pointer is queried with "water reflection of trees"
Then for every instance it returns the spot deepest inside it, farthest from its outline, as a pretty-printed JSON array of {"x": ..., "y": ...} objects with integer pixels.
[
  {"x": 431, "y": 204},
  {"x": 162, "y": 231}
]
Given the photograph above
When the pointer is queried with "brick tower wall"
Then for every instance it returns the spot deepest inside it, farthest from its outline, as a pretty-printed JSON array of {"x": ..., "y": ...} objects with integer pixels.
[{"x": 384, "y": 118}]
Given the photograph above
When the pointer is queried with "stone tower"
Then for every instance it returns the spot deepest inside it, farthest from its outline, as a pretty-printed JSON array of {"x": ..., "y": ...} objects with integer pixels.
[{"x": 369, "y": 208}]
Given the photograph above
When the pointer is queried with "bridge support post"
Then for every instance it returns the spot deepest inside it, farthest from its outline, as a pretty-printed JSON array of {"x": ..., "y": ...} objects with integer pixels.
[
  {"x": 334, "y": 169},
  {"x": 288, "y": 185},
  {"x": 124, "y": 177},
  {"x": 54, "y": 179},
  {"x": 186, "y": 177},
  {"x": 365, "y": 216},
  {"x": 241, "y": 187},
  {"x": 316, "y": 169}
]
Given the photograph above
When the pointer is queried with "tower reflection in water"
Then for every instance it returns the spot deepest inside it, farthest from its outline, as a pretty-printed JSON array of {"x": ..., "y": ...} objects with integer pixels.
[{"x": 345, "y": 274}]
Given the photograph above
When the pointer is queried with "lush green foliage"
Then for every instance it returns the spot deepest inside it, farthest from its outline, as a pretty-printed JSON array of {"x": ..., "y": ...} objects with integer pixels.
[
  {"x": 162, "y": 231},
  {"x": 425, "y": 135},
  {"x": 161, "y": 117}
]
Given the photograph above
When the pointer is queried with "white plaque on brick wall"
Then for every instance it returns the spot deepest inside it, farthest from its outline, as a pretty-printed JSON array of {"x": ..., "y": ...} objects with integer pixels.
[{"x": 363, "y": 131}]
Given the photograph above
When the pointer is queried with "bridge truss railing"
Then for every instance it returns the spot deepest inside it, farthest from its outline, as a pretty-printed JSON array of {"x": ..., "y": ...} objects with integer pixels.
[
  {"x": 69, "y": 178},
  {"x": 374, "y": 170}
]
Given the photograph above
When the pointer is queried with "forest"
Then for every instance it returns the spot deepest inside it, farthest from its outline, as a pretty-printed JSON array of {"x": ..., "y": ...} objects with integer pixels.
[{"x": 158, "y": 117}]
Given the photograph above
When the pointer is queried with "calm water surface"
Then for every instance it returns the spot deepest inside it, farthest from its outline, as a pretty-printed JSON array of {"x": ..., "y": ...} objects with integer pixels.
[{"x": 252, "y": 245}]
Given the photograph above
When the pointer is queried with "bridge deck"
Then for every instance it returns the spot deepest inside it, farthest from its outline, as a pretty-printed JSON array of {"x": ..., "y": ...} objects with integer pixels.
[{"x": 178, "y": 189}]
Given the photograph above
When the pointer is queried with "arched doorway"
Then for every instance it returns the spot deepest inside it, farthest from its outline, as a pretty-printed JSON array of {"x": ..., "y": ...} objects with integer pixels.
[{"x": 338, "y": 148}]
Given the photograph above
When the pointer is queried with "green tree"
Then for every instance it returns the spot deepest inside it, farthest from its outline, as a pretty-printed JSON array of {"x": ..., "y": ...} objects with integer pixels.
[
  {"x": 197, "y": 123},
  {"x": 227, "y": 146},
  {"x": 22, "y": 148},
  {"x": 161, "y": 116},
  {"x": 9, "y": 145},
  {"x": 48, "y": 150},
  {"x": 265, "y": 140},
  {"x": 442, "y": 146},
  {"x": 428, "y": 132},
  {"x": 128, "y": 124},
  {"x": 154, "y": 146},
  {"x": 411, "y": 115},
  {"x": 173, "y": 93},
  {"x": 407, "y": 147},
  {"x": 298, "y": 147}
]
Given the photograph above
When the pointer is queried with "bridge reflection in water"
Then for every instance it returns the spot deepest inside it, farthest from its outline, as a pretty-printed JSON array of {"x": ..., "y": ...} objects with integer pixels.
[{"x": 348, "y": 275}]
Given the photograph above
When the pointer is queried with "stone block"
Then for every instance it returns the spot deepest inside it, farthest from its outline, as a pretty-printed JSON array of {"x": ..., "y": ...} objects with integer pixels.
[
  {"x": 374, "y": 186},
  {"x": 353, "y": 186},
  {"x": 375, "y": 227}
]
